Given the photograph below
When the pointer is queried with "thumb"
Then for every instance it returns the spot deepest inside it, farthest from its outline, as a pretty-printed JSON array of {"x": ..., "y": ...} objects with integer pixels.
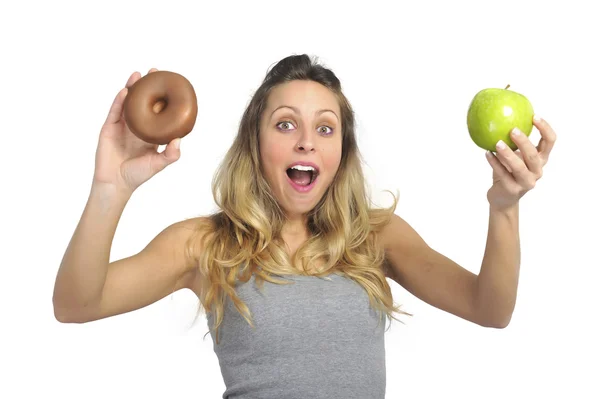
[
  {"x": 172, "y": 151},
  {"x": 170, "y": 154}
]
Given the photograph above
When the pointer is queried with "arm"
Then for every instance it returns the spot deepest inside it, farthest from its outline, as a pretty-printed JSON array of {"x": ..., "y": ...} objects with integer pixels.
[
  {"x": 427, "y": 274},
  {"x": 499, "y": 276},
  {"x": 487, "y": 299},
  {"x": 88, "y": 287}
]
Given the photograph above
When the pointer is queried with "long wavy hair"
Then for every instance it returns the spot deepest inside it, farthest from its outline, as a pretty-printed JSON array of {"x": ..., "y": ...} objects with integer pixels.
[{"x": 244, "y": 237}]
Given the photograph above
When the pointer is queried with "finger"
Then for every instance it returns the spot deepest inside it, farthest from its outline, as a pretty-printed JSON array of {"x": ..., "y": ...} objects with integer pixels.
[
  {"x": 505, "y": 164},
  {"x": 498, "y": 167},
  {"x": 170, "y": 154},
  {"x": 520, "y": 172},
  {"x": 548, "y": 137},
  {"x": 152, "y": 70},
  {"x": 529, "y": 152},
  {"x": 172, "y": 150},
  {"x": 133, "y": 78},
  {"x": 114, "y": 114},
  {"x": 503, "y": 161}
]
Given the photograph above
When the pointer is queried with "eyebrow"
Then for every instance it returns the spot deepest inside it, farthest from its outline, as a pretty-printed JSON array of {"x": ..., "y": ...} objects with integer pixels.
[{"x": 296, "y": 110}]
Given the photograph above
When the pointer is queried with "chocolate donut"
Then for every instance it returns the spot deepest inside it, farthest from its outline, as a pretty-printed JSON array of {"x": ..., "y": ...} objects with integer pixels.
[{"x": 160, "y": 107}]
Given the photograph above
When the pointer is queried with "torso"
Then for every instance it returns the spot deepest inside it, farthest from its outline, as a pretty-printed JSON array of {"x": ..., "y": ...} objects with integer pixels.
[{"x": 292, "y": 244}]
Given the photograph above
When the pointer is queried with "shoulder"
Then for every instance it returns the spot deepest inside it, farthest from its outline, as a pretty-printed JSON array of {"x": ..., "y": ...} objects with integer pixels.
[
  {"x": 192, "y": 225},
  {"x": 179, "y": 242},
  {"x": 188, "y": 237},
  {"x": 401, "y": 244},
  {"x": 397, "y": 233},
  {"x": 188, "y": 234},
  {"x": 179, "y": 233}
]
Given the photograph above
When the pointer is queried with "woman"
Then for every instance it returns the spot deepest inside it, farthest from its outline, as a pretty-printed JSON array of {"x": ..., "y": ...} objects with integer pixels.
[{"x": 292, "y": 270}]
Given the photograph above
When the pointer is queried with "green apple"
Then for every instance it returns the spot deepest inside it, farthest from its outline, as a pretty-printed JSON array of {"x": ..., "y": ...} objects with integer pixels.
[{"x": 493, "y": 113}]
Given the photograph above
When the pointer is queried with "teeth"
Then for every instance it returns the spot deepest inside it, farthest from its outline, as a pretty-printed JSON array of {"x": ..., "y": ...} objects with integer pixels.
[{"x": 305, "y": 168}]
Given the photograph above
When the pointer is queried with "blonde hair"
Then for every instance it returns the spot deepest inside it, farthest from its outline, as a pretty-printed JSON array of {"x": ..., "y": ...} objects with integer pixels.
[{"x": 244, "y": 237}]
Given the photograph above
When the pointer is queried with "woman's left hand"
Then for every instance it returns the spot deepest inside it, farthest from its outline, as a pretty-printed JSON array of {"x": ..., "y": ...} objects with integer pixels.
[{"x": 517, "y": 172}]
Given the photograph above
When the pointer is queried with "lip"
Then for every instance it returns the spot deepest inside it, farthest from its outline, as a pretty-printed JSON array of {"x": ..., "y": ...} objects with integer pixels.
[
  {"x": 299, "y": 188},
  {"x": 301, "y": 163}
]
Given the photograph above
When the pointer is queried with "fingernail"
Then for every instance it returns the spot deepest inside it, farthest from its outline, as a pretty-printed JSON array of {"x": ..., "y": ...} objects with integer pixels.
[
  {"x": 500, "y": 145},
  {"x": 177, "y": 143},
  {"x": 516, "y": 132},
  {"x": 536, "y": 118}
]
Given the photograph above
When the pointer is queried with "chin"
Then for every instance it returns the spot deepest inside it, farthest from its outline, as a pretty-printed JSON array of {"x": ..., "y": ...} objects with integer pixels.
[
  {"x": 298, "y": 210},
  {"x": 299, "y": 207},
  {"x": 297, "y": 201}
]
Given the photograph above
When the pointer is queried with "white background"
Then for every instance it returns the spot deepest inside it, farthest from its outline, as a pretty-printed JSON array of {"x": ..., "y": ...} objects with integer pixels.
[{"x": 410, "y": 69}]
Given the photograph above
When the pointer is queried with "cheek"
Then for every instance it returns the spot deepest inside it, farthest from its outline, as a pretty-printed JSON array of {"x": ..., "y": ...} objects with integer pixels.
[
  {"x": 332, "y": 156},
  {"x": 272, "y": 155}
]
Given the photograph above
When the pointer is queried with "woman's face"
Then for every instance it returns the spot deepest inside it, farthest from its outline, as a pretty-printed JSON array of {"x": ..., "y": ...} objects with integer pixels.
[{"x": 300, "y": 144}]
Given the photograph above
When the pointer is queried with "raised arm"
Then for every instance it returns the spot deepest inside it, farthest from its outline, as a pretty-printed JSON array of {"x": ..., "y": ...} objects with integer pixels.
[{"x": 89, "y": 288}]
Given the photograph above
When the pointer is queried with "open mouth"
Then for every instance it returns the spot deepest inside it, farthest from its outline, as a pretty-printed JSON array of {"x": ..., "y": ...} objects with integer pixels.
[{"x": 302, "y": 175}]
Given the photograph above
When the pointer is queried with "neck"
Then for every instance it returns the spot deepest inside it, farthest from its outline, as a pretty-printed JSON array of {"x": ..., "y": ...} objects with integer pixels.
[
  {"x": 296, "y": 226},
  {"x": 294, "y": 233}
]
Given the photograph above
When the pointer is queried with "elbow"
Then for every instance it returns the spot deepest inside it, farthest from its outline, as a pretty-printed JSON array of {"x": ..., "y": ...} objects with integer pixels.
[
  {"x": 499, "y": 326},
  {"x": 67, "y": 314},
  {"x": 64, "y": 315},
  {"x": 496, "y": 315},
  {"x": 496, "y": 322},
  {"x": 493, "y": 318},
  {"x": 60, "y": 312}
]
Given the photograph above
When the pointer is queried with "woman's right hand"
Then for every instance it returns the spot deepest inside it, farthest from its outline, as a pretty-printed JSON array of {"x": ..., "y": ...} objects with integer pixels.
[{"x": 122, "y": 159}]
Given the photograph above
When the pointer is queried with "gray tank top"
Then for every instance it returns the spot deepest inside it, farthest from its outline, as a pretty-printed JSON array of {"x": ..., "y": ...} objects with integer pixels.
[{"x": 316, "y": 338}]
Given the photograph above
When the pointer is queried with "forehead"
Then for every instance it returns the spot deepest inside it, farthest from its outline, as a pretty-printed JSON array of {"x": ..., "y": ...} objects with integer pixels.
[{"x": 304, "y": 95}]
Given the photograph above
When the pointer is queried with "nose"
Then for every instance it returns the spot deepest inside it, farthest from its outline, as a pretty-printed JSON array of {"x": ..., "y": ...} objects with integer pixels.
[{"x": 305, "y": 143}]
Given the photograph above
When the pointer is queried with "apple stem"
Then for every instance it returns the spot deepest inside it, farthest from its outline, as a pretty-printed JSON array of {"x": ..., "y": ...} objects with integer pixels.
[{"x": 507, "y": 86}]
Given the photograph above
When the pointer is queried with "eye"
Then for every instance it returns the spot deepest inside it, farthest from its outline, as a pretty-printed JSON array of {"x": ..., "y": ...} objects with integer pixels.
[
  {"x": 283, "y": 123},
  {"x": 325, "y": 133}
]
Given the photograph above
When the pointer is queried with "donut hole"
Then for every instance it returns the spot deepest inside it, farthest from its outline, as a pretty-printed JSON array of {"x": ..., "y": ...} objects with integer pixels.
[{"x": 159, "y": 105}]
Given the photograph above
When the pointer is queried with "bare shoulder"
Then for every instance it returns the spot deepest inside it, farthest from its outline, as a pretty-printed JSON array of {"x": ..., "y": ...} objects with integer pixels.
[
  {"x": 428, "y": 274},
  {"x": 186, "y": 237},
  {"x": 399, "y": 235},
  {"x": 163, "y": 266},
  {"x": 177, "y": 248},
  {"x": 176, "y": 242},
  {"x": 401, "y": 243}
]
